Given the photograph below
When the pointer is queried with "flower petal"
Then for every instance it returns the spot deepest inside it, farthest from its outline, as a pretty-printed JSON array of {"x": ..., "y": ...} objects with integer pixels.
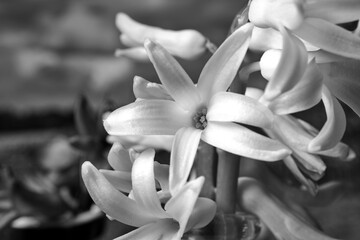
[
  {"x": 284, "y": 224},
  {"x": 275, "y": 14},
  {"x": 143, "y": 182},
  {"x": 141, "y": 143},
  {"x": 303, "y": 96},
  {"x": 173, "y": 76},
  {"x": 220, "y": 70},
  {"x": 160, "y": 230},
  {"x": 148, "y": 117},
  {"x": 204, "y": 211},
  {"x": 341, "y": 152},
  {"x": 342, "y": 78},
  {"x": 181, "y": 205},
  {"x": 241, "y": 141},
  {"x": 183, "y": 153},
  {"x": 161, "y": 172},
  {"x": 119, "y": 179},
  {"x": 232, "y": 107},
  {"x": 333, "y": 10},
  {"x": 136, "y": 53},
  {"x": 110, "y": 200},
  {"x": 330, "y": 37},
  {"x": 334, "y": 127},
  {"x": 149, "y": 90},
  {"x": 309, "y": 184},
  {"x": 290, "y": 68},
  {"x": 311, "y": 164},
  {"x": 119, "y": 158}
]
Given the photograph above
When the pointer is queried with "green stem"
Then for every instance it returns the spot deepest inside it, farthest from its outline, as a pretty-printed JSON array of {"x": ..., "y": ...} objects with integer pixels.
[{"x": 227, "y": 177}]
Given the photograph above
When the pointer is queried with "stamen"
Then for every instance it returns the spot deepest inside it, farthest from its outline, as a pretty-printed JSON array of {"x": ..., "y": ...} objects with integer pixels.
[{"x": 200, "y": 120}]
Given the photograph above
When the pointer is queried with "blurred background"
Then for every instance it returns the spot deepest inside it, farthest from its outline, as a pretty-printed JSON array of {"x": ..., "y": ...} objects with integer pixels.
[{"x": 58, "y": 74}]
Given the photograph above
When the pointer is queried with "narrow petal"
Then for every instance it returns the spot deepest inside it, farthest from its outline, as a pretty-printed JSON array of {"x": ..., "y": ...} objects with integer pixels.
[
  {"x": 333, "y": 10},
  {"x": 182, "y": 204},
  {"x": 334, "y": 127},
  {"x": 341, "y": 152},
  {"x": 241, "y": 141},
  {"x": 330, "y": 37},
  {"x": 141, "y": 143},
  {"x": 143, "y": 183},
  {"x": 136, "y": 53},
  {"x": 110, "y": 200},
  {"x": 290, "y": 69},
  {"x": 148, "y": 117},
  {"x": 119, "y": 158},
  {"x": 119, "y": 179},
  {"x": 154, "y": 231},
  {"x": 303, "y": 96},
  {"x": 149, "y": 90},
  {"x": 183, "y": 153},
  {"x": 342, "y": 78},
  {"x": 309, "y": 184},
  {"x": 173, "y": 76},
  {"x": 222, "y": 67},
  {"x": 232, "y": 107},
  {"x": 204, "y": 211},
  {"x": 311, "y": 164}
]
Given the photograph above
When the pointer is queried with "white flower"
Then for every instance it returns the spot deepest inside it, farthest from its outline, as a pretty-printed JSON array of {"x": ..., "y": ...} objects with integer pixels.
[
  {"x": 187, "y": 44},
  {"x": 142, "y": 208}
]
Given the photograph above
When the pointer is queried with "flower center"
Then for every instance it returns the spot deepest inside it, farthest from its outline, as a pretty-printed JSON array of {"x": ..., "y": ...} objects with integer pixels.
[{"x": 200, "y": 120}]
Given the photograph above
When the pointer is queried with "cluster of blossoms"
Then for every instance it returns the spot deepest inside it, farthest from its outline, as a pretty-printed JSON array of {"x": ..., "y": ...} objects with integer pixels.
[{"x": 306, "y": 59}]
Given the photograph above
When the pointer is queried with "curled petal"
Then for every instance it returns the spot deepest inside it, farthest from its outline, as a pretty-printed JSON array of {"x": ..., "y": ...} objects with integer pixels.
[
  {"x": 333, "y": 10},
  {"x": 283, "y": 223},
  {"x": 183, "y": 153},
  {"x": 136, "y": 53},
  {"x": 110, "y": 200},
  {"x": 120, "y": 180},
  {"x": 330, "y": 37},
  {"x": 269, "y": 62},
  {"x": 220, "y": 70},
  {"x": 290, "y": 69},
  {"x": 241, "y": 141},
  {"x": 204, "y": 211},
  {"x": 274, "y": 14},
  {"x": 334, "y": 127},
  {"x": 143, "y": 182},
  {"x": 304, "y": 95},
  {"x": 148, "y": 117},
  {"x": 341, "y": 152},
  {"x": 342, "y": 78},
  {"x": 232, "y": 107},
  {"x": 173, "y": 76},
  {"x": 161, "y": 172},
  {"x": 181, "y": 205},
  {"x": 187, "y": 44},
  {"x": 148, "y": 90},
  {"x": 309, "y": 184},
  {"x": 119, "y": 158}
]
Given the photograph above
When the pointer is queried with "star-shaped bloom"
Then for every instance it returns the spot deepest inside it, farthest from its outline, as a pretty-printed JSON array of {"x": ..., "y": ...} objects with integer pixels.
[
  {"x": 187, "y": 44},
  {"x": 314, "y": 21},
  {"x": 296, "y": 85},
  {"x": 143, "y": 209},
  {"x": 205, "y": 111}
]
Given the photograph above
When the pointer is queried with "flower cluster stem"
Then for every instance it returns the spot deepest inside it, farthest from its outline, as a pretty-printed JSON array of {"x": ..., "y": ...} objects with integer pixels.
[{"x": 227, "y": 176}]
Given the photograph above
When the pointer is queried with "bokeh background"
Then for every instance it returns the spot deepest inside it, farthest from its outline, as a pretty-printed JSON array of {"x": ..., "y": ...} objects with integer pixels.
[{"x": 53, "y": 51}]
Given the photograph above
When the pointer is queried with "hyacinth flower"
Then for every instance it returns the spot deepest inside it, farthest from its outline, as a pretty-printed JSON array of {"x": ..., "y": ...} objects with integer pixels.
[
  {"x": 282, "y": 222},
  {"x": 206, "y": 111},
  {"x": 296, "y": 85},
  {"x": 143, "y": 209},
  {"x": 314, "y": 21},
  {"x": 186, "y": 44},
  {"x": 121, "y": 160}
]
